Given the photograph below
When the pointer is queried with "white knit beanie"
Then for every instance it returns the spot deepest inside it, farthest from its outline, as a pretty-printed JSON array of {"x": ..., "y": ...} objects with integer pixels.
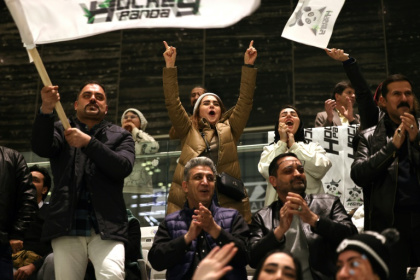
[
  {"x": 143, "y": 121},
  {"x": 197, "y": 103}
]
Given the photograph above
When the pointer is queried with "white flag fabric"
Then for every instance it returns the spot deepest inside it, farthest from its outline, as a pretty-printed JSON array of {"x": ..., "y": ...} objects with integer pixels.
[
  {"x": 48, "y": 21},
  {"x": 312, "y": 22}
]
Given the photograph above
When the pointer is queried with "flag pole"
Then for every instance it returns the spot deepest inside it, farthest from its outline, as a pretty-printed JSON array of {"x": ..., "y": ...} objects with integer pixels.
[{"x": 47, "y": 82}]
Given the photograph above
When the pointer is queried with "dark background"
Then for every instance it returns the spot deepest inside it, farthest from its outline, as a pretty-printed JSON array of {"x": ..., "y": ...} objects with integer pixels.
[{"x": 383, "y": 35}]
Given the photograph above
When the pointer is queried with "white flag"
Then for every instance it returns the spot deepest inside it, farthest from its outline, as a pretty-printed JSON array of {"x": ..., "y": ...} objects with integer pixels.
[
  {"x": 47, "y": 21},
  {"x": 312, "y": 22}
]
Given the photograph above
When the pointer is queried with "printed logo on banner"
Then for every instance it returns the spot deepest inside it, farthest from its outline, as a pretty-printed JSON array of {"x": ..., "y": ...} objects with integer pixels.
[
  {"x": 313, "y": 17},
  {"x": 333, "y": 187},
  {"x": 354, "y": 197},
  {"x": 331, "y": 137},
  {"x": 351, "y": 132},
  {"x": 119, "y": 10}
]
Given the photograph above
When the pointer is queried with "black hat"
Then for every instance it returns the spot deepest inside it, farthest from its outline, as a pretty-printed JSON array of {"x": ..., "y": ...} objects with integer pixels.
[{"x": 374, "y": 246}]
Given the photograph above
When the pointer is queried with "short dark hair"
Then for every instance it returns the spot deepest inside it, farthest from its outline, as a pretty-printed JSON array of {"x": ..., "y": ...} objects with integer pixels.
[
  {"x": 272, "y": 169},
  {"x": 393, "y": 78},
  {"x": 88, "y": 83},
  {"x": 340, "y": 87},
  {"x": 47, "y": 177},
  {"x": 296, "y": 262},
  {"x": 199, "y": 86},
  {"x": 198, "y": 161}
]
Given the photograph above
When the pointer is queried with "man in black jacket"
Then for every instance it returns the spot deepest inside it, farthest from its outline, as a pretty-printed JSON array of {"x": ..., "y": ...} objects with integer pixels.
[
  {"x": 309, "y": 226},
  {"x": 89, "y": 161},
  {"x": 17, "y": 207},
  {"x": 387, "y": 165},
  {"x": 41, "y": 268}
]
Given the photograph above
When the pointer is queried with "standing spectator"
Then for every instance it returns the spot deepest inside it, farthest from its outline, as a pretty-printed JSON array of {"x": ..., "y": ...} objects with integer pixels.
[
  {"x": 290, "y": 137},
  {"x": 387, "y": 167},
  {"x": 89, "y": 161},
  {"x": 17, "y": 207},
  {"x": 187, "y": 236},
  {"x": 212, "y": 131},
  {"x": 139, "y": 181},
  {"x": 42, "y": 266},
  {"x": 339, "y": 109},
  {"x": 309, "y": 226}
]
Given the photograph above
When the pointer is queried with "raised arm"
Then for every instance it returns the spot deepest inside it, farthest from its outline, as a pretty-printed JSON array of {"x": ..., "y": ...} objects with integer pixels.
[
  {"x": 179, "y": 117},
  {"x": 368, "y": 110},
  {"x": 241, "y": 111}
]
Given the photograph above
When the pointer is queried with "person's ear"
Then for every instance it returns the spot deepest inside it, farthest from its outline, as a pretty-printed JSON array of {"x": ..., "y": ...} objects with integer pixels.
[
  {"x": 273, "y": 181},
  {"x": 185, "y": 186}
]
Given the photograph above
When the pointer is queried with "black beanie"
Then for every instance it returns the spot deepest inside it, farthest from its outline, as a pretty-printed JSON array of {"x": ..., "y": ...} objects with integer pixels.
[{"x": 374, "y": 246}]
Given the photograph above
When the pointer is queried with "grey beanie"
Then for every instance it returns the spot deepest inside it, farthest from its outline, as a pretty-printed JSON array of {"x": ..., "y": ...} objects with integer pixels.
[
  {"x": 197, "y": 103},
  {"x": 143, "y": 121}
]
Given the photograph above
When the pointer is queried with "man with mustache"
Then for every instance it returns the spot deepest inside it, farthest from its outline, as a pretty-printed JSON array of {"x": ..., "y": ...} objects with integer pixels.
[
  {"x": 89, "y": 161},
  {"x": 387, "y": 166},
  {"x": 309, "y": 226}
]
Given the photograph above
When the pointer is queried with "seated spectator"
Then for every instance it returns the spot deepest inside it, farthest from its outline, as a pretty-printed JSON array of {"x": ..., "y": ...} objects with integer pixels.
[
  {"x": 213, "y": 266},
  {"x": 365, "y": 256},
  {"x": 278, "y": 265},
  {"x": 339, "y": 109},
  {"x": 290, "y": 137},
  {"x": 36, "y": 261},
  {"x": 309, "y": 226},
  {"x": 186, "y": 237}
]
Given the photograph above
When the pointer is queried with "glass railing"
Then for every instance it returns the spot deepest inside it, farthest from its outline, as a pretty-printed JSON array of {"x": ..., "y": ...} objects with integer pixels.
[
  {"x": 147, "y": 201},
  {"x": 149, "y": 205}
]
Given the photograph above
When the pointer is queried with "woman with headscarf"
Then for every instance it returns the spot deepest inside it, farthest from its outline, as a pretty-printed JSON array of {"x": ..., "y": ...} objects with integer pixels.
[
  {"x": 139, "y": 181},
  {"x": 212, "y": 131},
  {"x": 290, "y": 137}
]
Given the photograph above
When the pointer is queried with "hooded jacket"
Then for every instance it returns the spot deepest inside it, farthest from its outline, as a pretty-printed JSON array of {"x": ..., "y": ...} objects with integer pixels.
[{"x": 229, "y": 128}]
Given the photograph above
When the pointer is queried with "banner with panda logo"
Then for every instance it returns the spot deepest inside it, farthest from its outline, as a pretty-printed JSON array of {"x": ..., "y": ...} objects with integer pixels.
[
  {"x": 48, "y": 21},
  {"x": 337, "y": 142},
  {"x": 312, "y": 22}
]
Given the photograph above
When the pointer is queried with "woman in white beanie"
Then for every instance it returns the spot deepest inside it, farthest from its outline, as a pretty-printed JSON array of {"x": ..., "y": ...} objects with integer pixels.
[
  {"x": 139, "y": 181},
  {"x": 212, "y": 132}
]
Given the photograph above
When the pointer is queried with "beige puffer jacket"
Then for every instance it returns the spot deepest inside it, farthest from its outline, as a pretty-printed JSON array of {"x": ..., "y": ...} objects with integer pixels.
[{"x": 229, "y": 129}]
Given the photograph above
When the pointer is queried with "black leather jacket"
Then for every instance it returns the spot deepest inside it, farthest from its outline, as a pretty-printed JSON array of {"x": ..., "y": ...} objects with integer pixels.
[
  {"x": 334, "y": 225},
  {"x": 18, "y": 196},
  {"x": 375, "y": 169}
]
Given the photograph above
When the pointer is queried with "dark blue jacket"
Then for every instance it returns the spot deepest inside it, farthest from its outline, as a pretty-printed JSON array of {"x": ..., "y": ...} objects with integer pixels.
[
  {"x": 170, "y": 252},
  {"x": 102, "y": 166}
]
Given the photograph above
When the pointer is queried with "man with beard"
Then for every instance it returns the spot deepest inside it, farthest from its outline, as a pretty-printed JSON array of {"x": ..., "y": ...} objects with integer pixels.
[
  {"x": 89, "y": 161},
  {"x": 387, "y": 166},
  {"x": 309, "y": 226}
]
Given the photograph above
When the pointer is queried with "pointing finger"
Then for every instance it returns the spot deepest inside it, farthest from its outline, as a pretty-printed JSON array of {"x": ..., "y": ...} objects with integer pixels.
[{"x": 166, "y": 45}]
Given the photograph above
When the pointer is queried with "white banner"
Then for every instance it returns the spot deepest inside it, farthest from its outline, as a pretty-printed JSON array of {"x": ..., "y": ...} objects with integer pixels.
[
  {"x": 47, "y": 21},
  {"x": 312, "y": 22},
  {"x": 337, "y": 142}
]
